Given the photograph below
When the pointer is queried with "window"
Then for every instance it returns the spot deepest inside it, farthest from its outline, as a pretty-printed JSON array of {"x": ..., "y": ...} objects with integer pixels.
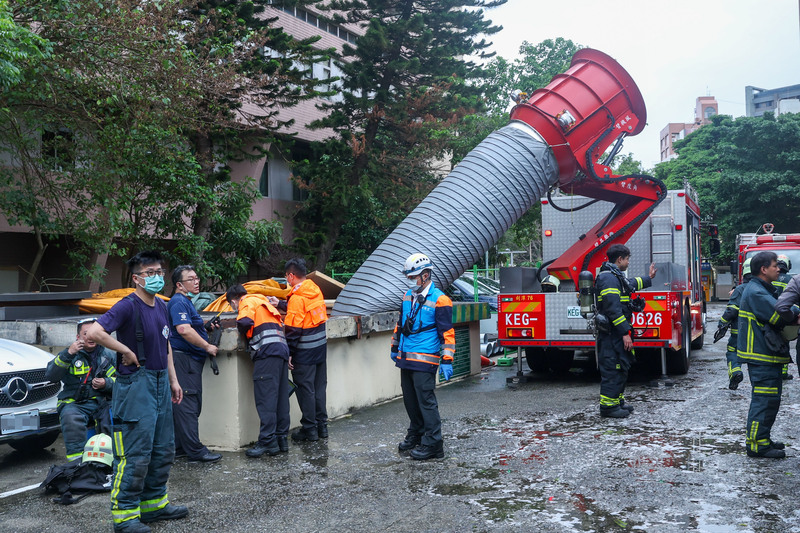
[
  {"x": 58, "y": 149},
  {"x": 263, "y": 182},
  {"x": 710, "y": 112}
]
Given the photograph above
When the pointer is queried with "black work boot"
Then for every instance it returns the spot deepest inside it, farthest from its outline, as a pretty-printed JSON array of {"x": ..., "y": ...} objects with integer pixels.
[
  {"x": 736, "y": 378},
  {"x": 424, "y": 452},
  {"x": 322, "y": 430},
  {"x": 270, "y": 448},
  {"x": 283, "y": 443},
  {"x": 309, "y": 434},
  {"x": 786, "y": 376},
  {"x": 410, "y": 442},
  {"x": 777, "y": 445},
  {"x": 170, "y": 512},
  {"x": 131, "y": 526},
  {"x": 628, "y": 407},
  {"x": 614, "y": 412},
  {"x": 768, "y": 452}
]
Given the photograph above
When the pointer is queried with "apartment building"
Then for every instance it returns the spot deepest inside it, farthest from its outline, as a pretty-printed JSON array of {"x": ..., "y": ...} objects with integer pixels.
[{"x": 705, "y": 108}]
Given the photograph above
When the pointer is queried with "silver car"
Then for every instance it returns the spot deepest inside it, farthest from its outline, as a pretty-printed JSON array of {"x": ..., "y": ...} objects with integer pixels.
[{"x": 28, "y": 416}]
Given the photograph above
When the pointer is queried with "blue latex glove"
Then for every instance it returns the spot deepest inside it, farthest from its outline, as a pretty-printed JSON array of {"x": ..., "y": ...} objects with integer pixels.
[
  {"x": 395, "y": 356},
  {"x": 446, "y": 371}
]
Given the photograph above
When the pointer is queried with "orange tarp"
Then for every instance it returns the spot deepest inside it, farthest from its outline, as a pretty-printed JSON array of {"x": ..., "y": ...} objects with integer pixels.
[
  {"x": 267, "y": 287},
  {"x": 101, "y": 302}
]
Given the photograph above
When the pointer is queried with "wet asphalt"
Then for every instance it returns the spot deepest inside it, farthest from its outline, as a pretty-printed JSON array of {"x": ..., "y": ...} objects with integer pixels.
[{"x": 532, "y": 457}]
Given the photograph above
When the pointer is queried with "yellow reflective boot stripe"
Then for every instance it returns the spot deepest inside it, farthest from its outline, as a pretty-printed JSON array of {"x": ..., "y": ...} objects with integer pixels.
[
  {"x": 71, "y": 456},
  {"x": 751, "y": 438},
  {"x": 148, "y": 506},
  {"x": 606, "y": 401}
]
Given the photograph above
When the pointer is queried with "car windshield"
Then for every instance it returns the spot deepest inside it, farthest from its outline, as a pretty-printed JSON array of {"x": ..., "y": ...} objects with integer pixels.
[{"x": 793, "y": 255}]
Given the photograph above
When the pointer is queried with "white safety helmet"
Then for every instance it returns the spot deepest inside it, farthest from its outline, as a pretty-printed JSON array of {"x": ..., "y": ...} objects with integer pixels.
[
  {"x": 416, "y": 263},
  {"x": 784, "y": 263},
  {"x": 98, "y": 448}
]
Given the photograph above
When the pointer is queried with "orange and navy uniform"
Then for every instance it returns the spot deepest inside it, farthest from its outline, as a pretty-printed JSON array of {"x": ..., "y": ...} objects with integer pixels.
[
  {"x": 428, "y": 321},
  {"x": 260, "y": 322},
  {"x": 305, "y": 320}
]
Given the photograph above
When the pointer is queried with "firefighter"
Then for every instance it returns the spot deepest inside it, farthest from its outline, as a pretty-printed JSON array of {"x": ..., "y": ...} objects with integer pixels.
[
  {"x": 144, "y": 437},
  {"x": 423, "y": 332},
  {"x": 614, "y": 345},
  {"x": 784, "y": 265},
  {"x": 261, "y": 324},
  {"x": 87, "y": 371},
  {"x": 756, "y": 347},
  {"x": 307, "y": 338},
  {"x": 730, "y": 319}
]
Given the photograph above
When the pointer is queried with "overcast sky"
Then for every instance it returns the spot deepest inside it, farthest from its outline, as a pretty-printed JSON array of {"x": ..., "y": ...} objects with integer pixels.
[{"x": 675, "y": 50}]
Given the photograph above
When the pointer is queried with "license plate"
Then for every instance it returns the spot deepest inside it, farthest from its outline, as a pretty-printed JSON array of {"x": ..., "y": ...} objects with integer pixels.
[
  {"x": 574, "y": 311},
  {"x": 18, "y": 422}
]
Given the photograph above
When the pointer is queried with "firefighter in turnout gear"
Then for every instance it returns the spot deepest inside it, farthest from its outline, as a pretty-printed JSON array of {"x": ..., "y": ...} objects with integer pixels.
[
  {"x": 761, "y": 347},
  {"x": 614, "y": 345},
  {"x": 87, "y": 371},
  {"x": 423, "y": 343},
  {"x": 784, "y": 266},
  {"x": 730, "y": 319},
  {"x": 146, "y": 387}
]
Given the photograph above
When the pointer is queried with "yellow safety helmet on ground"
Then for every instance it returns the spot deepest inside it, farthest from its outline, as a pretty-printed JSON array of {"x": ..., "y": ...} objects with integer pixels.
[{"x": 98, "y": 448}]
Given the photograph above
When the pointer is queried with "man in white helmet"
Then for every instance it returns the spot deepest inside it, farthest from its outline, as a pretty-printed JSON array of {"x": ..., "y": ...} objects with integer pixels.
[{"x": 423, "y": 342}]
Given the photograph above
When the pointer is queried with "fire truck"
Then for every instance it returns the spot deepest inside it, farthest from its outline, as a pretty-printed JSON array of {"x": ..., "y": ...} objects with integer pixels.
[
  {"x": 764, "y": 240},
  {"x": 539, "y": 310}
]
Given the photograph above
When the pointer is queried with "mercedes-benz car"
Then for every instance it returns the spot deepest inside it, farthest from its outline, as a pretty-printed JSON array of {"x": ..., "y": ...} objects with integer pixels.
[{"x": 28, "y": 416}]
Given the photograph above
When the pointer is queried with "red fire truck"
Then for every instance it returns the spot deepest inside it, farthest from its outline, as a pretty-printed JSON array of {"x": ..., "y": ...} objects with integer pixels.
[
  {"x": 764, "y": 240},
  {"x": 539, "y": 311}
]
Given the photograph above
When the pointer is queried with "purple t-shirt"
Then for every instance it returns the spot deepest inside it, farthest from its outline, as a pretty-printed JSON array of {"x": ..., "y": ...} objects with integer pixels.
[{"x": 155, "y": 323}]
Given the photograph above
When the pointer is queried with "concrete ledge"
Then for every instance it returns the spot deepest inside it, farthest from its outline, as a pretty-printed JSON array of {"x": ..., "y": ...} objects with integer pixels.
[{"x": 21, "y": 332}]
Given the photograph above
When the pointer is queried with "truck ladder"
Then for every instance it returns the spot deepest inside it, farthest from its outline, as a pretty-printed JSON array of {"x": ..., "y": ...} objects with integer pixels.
[{"x": 662, "y": 236}]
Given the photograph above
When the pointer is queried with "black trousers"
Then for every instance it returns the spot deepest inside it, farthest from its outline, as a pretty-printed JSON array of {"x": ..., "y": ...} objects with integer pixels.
[
  {"x": 271, "y": 391},
  {"x": 312, "y": 384},
  {"x": 185, "y": 415},
  {"x": 421, "y": 405},
  {"x": 614, "y": 364}
]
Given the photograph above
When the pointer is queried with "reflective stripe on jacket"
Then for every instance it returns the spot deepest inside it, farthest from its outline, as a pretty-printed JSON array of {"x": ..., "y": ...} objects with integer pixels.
[
  {"x": 431, "y": 323},
  {"x": 260, "y": 322},
  {"x": 305, "y": 324},
  {"x": 757, "y": 311},
  {"x": 74, "y": 372},
  {"x": 614, "y": 294}
]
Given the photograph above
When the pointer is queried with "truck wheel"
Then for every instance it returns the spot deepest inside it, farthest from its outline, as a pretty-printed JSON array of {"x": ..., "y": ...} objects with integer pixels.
[
  {"x": 560, "y": 361},
  {"x": 537, "y": 359},
  {"x": 34, "y": 442},
  {"x": 678, "y": 360}
]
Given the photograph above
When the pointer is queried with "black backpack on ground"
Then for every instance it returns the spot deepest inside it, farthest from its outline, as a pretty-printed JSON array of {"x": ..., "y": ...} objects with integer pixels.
[{"x": 77, "y": 477}]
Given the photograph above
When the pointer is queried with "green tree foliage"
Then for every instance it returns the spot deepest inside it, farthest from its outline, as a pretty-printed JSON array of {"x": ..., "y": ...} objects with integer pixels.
[
  {"x": 746, "y": 172},
  {"x": 404, "y": 84},
  {"x": 98, "y": 136},
  {"x": 18, "y": 47}
]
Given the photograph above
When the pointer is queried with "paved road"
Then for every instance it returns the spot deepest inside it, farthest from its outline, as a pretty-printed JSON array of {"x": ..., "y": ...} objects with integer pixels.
[{"x": 532, "y": 458}]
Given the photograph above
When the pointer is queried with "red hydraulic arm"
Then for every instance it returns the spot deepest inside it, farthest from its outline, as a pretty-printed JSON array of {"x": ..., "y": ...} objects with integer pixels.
[{"x": 580, "y": 114}]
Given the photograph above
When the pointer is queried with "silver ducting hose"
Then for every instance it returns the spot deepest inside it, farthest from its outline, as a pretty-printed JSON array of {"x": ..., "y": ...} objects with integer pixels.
[{"x": 464, "y": 216}]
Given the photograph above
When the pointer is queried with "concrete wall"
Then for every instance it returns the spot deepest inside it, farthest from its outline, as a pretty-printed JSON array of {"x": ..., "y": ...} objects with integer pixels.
[{"x": 360, "y": 371}]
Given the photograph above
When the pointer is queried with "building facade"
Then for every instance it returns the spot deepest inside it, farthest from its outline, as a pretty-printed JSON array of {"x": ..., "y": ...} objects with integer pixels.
[
  {"x": 781, "y": 100},
  {"x": 705, "y": 108}
]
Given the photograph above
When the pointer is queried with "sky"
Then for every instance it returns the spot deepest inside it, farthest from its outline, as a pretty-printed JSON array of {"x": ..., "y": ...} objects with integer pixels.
[{"x": 675, "y": 51}]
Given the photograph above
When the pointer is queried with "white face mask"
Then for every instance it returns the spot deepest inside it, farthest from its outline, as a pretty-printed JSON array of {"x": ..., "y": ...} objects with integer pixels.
[{"x": 412, "y": 283}]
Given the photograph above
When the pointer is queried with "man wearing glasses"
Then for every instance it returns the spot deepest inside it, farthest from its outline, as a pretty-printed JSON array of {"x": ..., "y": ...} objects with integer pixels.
[
  {"x": 87, "y": 371},
  {"x": 144, "y": 438},
  {"x": 190, "y": 347}
]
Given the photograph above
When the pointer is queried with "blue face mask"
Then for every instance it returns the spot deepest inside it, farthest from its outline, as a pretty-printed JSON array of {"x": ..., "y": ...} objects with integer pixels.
[
  {"x": 153, "y": 284},
  {"x": 190, "y": 294}
]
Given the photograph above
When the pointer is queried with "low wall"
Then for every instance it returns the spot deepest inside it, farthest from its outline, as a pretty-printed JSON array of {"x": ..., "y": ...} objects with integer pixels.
[{"x": 360, "y": 371}]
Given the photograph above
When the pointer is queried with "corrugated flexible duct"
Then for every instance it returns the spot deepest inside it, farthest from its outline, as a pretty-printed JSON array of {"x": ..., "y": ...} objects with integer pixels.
[{"x": 464, "y": 216}]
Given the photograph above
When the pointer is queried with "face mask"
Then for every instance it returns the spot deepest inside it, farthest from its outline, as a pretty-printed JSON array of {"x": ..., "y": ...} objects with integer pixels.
[
  {"x": 153, "y": 284},
  {"x": 190, "y": 294},
  {"x": 412, "y": 283}
]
